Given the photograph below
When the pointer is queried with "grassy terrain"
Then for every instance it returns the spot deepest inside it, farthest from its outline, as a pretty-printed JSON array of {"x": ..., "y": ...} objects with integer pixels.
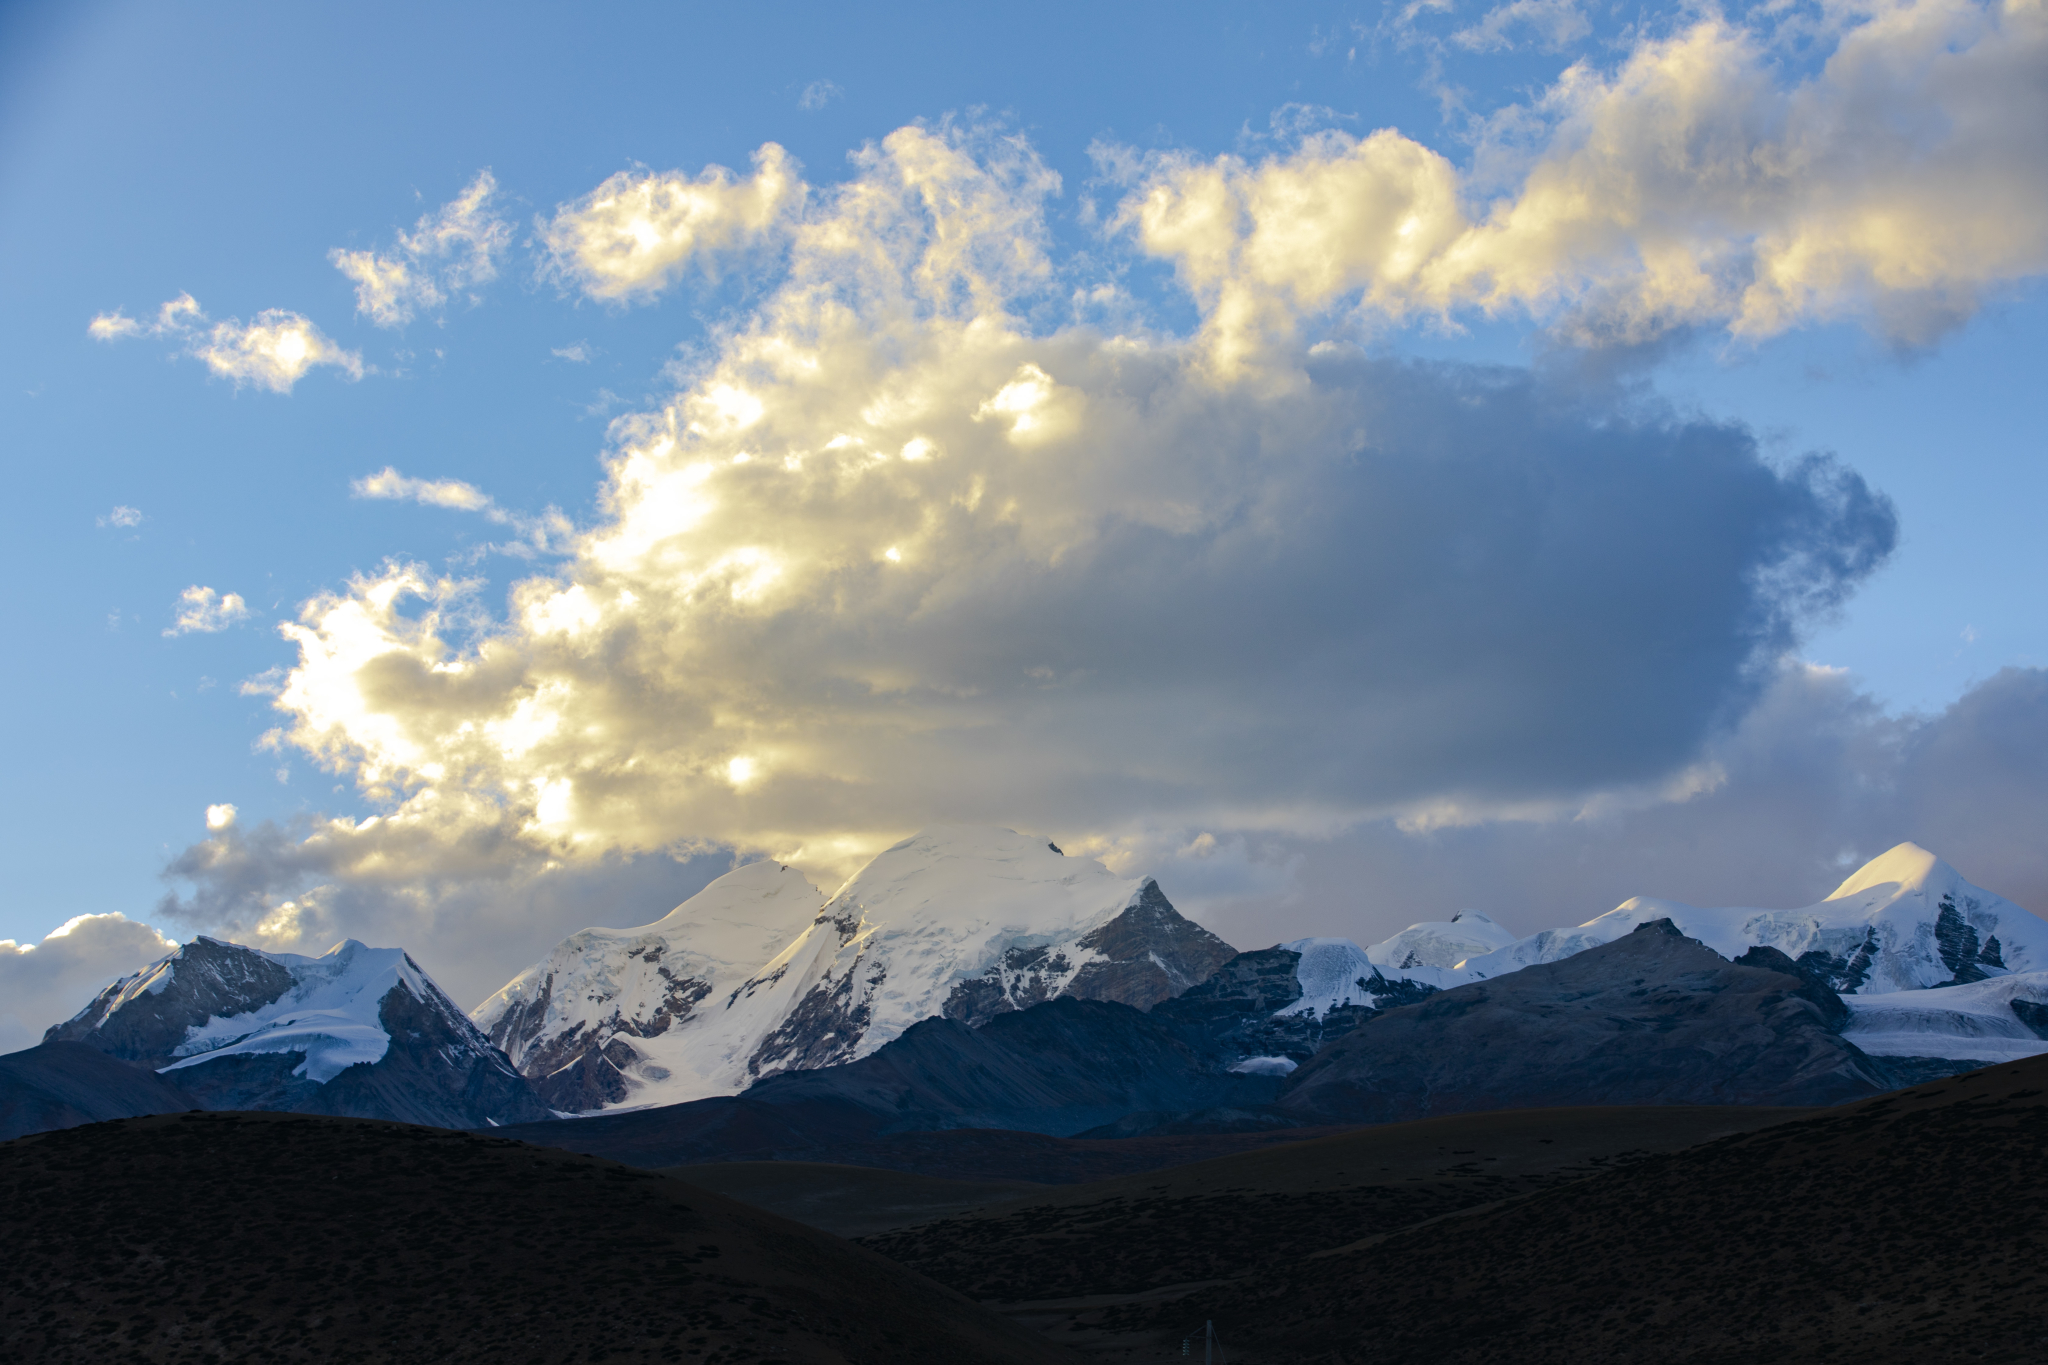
[
  {"x": 1908, "y": 1228},
  {"x": 292, "y": 1238}
]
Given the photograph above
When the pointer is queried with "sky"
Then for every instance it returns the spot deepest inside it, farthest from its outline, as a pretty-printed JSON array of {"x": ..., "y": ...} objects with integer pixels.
[{"x": 481, "y": 471}]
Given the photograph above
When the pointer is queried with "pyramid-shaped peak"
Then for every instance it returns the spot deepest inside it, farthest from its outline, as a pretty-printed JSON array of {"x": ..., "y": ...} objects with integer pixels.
[{"x": 1906, "y": 866}]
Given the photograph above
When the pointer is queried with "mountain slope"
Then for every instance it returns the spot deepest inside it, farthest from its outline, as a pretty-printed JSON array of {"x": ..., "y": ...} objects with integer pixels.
[
  {"x": 748, "y": 979},
  {"x": 288, "y": 1238},
  {"x": 61, "y": 1085},
  {"x": 649, "y": 1015},
  {"x": 1906, "y": 1228},
  {"x": 360, "y": 1031},
  {"x": 1653, "y": 1018}
]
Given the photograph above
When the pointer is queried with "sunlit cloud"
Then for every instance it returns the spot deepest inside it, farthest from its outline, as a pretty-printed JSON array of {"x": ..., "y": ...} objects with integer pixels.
[
  {"x": 542, "y": 534},
  {"x": 458, "y": 247},
  {"x": 273, "y": 352},
  {"x": 818, "y": 94},
  {"x": 907, "y": 543},
  {"x": 204, "y": 610},
  {"x": 636, "y": 233},
  {"x": 1693, "y": 186},
  {"x": 893, "y": 541},
  {"x": 122, "y": 516}
]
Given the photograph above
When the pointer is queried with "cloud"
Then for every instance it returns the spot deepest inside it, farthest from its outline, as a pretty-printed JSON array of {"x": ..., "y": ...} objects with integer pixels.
[
  {"x": 204, "y": 610},
  {"x": 576, "y": 353},
  {"x": 541, "y": 535},
  {"x": 114, "y": 326},
  {"x": 1692, "y": 186},
  {"x": 893, "y": 554},
  {"x": 389, "y": 483},
  {"x": 818, "y": 94},
  {"x": 1813, "y": 781},
  {"x": 122, "y": 516},
  {"x": 455, "y": 248},
  {"x": 45, "y": 983},
  {"x": 273, "y": 352},
  {"x": 1555, "y": 22},
  {"x": 634, "y": 235}
]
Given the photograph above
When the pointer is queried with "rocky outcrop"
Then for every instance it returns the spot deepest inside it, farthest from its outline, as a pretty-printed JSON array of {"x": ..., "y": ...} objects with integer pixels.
[{"x": 1651, "y": 1018}]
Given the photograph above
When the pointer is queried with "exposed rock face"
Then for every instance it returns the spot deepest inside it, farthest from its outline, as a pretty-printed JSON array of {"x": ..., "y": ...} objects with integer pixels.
[
  {"x": 64, "y": 1084},
  {"x": 1243, "y": 1010},
  {"x": 144, "y": 1018},
  {"x": 1149, "y": 953},
  {"x": 1652, "y": 1018},
  {"x": 361, "y": 1031}
]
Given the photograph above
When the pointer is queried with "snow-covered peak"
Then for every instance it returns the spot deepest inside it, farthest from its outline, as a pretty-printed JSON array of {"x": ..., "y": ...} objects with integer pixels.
[
  {"x": 745, "y": 915},
  {"x": 1902, "y": 869},
  {"x": 331, "y": 1012},
  {"x": 968, "y": 880},
  {"x": 1905, "y": 921},
  {"x": 1440, "y": 943}
]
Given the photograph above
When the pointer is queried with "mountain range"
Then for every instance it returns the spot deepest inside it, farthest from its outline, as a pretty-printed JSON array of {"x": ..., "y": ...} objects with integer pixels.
[{"x": 973, "y": 978}]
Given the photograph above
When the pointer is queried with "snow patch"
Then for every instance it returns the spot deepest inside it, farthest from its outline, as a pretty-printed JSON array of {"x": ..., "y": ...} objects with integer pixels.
[
  {"x": 1265, "y": 1066},
  {"x": 330, "y": 1013}
]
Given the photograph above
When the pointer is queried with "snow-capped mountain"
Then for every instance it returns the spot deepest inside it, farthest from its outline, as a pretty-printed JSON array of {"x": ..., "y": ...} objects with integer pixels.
[
  {"x": 968, "y": 923},
  {"x": 1440, "y": 943},
  {"x": 652, "y": 1013},
  {"x": 1903, "y": 925},
  {"x": 359, "y": 1031},
  {"x": 964, "y": 923},
  {"x": 1904, "y": 921}
]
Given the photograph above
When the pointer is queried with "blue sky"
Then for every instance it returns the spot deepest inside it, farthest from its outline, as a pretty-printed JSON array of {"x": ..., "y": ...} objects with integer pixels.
[{"x": 1621, "y": 446}]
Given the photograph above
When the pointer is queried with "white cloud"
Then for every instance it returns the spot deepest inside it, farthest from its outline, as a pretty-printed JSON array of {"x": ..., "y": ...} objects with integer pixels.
[
  {"x": 221, "y": 816},
  {"x": 542, "y": 534},
  {"x": 576, "y": 352},
  {"x": 273, "y": 352},
  {"x": 390, "y": 484},
  {"x": 1555, "y": 23},
  {"x": 122, "y": 516},
  {"x": 818, "y": 94},
  {"x": 455, "y": 248},
  {"x": 1692, "y": 186},
  {"x": 203, "y": 609},
  {"x": 634, "y": 235},
  {"x": 114, "y": 326},
  {"x": 42, "y": 984}
]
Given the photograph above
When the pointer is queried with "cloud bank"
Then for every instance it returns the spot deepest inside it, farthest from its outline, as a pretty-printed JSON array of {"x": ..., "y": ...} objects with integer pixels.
[{"x": 46, "y": 983}]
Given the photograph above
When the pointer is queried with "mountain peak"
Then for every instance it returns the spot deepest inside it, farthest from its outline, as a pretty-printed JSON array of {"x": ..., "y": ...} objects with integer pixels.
[{"x": 1906, "y": 866}]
